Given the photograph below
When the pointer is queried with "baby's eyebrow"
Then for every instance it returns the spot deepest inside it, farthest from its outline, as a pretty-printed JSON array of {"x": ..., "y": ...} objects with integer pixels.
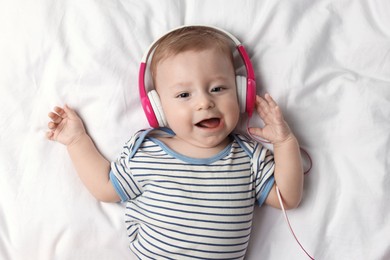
[
  {"x": 222, "y": 77},
  {"x": 180, "y": 86}
]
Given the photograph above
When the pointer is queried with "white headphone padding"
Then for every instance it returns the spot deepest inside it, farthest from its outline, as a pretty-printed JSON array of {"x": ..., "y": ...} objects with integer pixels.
[
  {"x": 241, "y": 92},
  {"x": 157, "y": 108}
]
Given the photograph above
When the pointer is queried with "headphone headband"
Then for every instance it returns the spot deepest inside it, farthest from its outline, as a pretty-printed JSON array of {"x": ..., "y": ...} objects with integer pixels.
[{"x": 155, "y": 43}]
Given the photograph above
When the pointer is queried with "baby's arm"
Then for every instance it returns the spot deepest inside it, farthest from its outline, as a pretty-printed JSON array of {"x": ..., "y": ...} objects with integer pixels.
[
  {"x": 67, "y": 128},
  {"x": 288, "y": 167}
]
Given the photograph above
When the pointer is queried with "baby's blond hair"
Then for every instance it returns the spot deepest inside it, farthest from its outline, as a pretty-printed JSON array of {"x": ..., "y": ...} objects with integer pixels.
[{"x": 190, "y": 38}]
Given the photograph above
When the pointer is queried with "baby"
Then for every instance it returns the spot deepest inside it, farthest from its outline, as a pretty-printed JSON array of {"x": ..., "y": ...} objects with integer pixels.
[{"x": 190, "y": 187}]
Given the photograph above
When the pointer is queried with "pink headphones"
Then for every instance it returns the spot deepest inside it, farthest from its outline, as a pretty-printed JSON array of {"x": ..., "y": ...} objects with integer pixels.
[{"x": 246, "y": 86}]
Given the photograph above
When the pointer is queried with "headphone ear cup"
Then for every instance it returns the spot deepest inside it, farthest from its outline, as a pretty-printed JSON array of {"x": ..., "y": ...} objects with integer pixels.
[
  {"x": 241, "y": 84},
  {"x": 157, "y": 108}
]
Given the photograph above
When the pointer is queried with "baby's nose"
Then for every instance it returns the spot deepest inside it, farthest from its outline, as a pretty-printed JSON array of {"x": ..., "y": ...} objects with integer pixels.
[{"x": 205, "y": 101}]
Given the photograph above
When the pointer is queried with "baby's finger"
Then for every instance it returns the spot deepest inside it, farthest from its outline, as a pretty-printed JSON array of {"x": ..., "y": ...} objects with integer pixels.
[
  {"x": 278, "y": 114},
  {"x": 60, "y": 111},
  {"x": 52, "y": 125},
  {"x": 55, "y": 117},
  {"x": 262, "y": 104},
  {"x": 271, "y": 102},
  {"x": 260, "y": 100},
  {"x": 50, "y": 135},
  {"x": 264, "y": 110},
  {"x": 256, "y": 131}
]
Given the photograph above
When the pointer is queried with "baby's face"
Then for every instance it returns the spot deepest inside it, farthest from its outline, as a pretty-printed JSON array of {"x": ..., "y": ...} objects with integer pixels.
[{"x": 198, "y": 95}]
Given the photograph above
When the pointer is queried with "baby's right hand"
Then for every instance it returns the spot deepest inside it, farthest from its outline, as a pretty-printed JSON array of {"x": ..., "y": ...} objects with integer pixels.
[{"x": 66, "y": 126}]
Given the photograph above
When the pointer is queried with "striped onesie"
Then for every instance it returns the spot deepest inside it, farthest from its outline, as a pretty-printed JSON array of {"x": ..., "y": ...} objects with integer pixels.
[{"x": 179, "y": 207}]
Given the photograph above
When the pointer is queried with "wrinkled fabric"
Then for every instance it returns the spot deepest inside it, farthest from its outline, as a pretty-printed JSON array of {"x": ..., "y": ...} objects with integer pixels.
[{"x": 325, "y": 62}]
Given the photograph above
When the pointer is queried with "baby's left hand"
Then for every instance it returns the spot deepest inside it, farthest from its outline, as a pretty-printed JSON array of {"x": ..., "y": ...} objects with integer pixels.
[{"x": 276, "y": 129}]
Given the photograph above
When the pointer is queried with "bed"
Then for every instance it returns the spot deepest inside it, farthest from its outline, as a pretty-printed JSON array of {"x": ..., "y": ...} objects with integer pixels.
[{"x": 327, "y": 63}]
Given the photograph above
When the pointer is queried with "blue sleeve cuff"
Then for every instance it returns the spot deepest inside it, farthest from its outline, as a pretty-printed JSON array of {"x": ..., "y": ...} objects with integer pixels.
[
  {"x": 266, "y": 190},
  {"x": 118, "y": 187}
]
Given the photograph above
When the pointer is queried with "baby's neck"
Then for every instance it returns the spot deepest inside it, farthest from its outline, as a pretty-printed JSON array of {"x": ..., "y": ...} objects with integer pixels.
[{"x": 193, "y": 151}]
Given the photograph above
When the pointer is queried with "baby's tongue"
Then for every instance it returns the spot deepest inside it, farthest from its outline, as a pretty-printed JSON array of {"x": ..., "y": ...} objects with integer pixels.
[{"x": 209, "y": 123}]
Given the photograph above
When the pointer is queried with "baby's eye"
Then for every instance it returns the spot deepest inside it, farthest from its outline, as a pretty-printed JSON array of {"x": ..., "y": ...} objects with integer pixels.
[
  {"x": 183, "y": 95},
  {"x": 216, "y": 89}
]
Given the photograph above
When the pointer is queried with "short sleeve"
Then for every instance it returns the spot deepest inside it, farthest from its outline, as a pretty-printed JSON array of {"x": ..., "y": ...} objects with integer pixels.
[
  {"x": 121, "y": 177},
  {"x": 263, "y": 165}
]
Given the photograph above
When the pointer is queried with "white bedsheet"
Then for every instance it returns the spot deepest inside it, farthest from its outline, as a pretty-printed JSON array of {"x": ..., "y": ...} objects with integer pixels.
[{"x": 326, "y": 62}]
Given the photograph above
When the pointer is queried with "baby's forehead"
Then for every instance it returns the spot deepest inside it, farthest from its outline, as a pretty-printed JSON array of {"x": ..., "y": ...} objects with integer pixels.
[
  {"x": 215, "y": 60},
  {"x": 194, "y": 67},
  {"x": 211, "y": 49},
  {"x": 173, "y": 46}
]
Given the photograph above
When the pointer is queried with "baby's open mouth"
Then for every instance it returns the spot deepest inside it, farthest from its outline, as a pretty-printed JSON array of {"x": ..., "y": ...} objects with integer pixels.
[{"x": 209, "y": 123}]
